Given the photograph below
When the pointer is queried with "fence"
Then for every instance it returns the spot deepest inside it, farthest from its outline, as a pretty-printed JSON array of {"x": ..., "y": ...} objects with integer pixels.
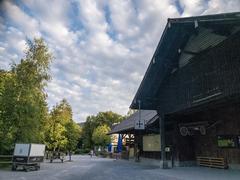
[{"x": 6, "y": 159}]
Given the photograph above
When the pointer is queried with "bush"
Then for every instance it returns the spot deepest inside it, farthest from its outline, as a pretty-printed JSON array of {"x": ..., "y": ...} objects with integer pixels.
[
  {"x": 104, "y": 154},
  {"x": 82, "y": 151}
]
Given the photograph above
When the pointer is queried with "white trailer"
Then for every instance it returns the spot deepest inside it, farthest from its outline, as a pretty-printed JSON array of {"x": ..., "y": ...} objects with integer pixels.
[{"x": 29, "y": 156}]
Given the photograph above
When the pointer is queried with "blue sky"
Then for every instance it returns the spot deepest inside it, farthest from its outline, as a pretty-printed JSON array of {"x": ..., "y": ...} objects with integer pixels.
[{"x": 101, "y": 48}]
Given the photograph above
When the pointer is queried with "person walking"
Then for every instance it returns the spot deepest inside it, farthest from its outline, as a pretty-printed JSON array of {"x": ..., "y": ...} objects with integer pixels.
[
  {"x": 91, "y": 153},
  {"x": 138, "y": 154}
]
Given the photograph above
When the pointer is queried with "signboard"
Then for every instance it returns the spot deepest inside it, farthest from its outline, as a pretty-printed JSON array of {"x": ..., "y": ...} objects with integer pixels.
[
  {"x": 140, "y": 125},
  {"x": 228, "y": 141},
  {"x": 139, "y": 122},
  {"x": 151, "y": 143}
]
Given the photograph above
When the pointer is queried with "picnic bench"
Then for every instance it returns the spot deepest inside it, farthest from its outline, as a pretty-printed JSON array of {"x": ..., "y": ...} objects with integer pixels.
[
  {"x": 57, "y": 155},
  {"x": 212, "y": 162}
]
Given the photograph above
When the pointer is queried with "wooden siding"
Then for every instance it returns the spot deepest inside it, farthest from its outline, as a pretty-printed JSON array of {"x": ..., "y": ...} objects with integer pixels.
[
  {"x": 187, "y": 148},
  {"x": 211, "y": 75}
]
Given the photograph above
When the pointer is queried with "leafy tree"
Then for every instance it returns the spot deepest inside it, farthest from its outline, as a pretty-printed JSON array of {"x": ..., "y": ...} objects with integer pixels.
[
  {"x": 73, "y": 132},
  {"x": 100, "y": 136},
  {"x": 130, "y": 112},
  {"x": 102, "y": 118},
  {"x": 6, "y": 81},
  {"x": 55, "y": 128},
  {"x": 23, "y": 104},
  {"x": 87, "y": 132},
  {"x": 61, "y": 132}
]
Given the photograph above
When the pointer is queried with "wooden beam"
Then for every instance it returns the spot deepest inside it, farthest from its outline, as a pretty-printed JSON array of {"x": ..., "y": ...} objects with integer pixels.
[{"x": 163, "y": 163}]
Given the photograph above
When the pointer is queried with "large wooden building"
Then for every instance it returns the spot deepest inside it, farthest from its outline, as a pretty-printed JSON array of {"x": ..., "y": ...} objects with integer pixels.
[{"x": 193, "y": 82}]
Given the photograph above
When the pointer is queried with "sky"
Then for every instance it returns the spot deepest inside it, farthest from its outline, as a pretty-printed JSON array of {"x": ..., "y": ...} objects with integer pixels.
[{"x": 101, "y": 48}]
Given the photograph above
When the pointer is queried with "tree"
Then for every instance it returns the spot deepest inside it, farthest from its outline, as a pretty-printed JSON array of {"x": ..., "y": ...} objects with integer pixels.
[
  {"x": 100, "y": 137},
  {"x": 6, "y": 104},
  {"x": 55, "y": 128},
  {"x": 73, "y": 132},
  {"x": 23, "y": 104},
  {"x": 131, "y": 112},
  {"x": 109, "y": 118},
  {"x": 102, "y": 118},
  {"x": 87, "y": 132},
  {"x": 61, "y": 132}
]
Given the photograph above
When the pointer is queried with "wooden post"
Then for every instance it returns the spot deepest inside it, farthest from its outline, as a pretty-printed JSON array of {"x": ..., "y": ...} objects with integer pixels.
[{"x": 163, "y": 162}]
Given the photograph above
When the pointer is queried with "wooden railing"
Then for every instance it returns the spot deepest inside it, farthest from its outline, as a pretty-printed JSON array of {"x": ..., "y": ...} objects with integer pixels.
[{"x": 213, "y": 162}]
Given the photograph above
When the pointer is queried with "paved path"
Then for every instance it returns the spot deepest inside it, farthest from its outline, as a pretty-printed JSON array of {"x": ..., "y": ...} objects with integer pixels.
[{"x": 86, "y": 168}]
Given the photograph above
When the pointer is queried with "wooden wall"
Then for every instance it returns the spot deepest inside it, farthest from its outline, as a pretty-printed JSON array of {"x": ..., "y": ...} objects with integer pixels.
[
  {"x": 210, "y": 75},
  {"x": 228, "y": 123}
]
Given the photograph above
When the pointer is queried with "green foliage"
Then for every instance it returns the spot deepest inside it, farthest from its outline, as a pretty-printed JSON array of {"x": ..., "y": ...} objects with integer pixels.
[
  {"x": 100, "y": 136},
  {"x": 55, "y": 129},
  {"x": 102, "y": 118},
  {"x": 131, "y": 112},
  {"x": 6, "y": 81},
  {"x": 87, "y": 132},
  {"x": 23, "y": 106},
  {"x": 61, "y": 132},
  {"x": 73, "y": 134}
]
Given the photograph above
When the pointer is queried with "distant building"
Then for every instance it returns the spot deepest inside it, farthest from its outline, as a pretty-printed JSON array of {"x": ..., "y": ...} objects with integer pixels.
[
  {"x": 81, "y": 124},
  {"x": 142, "y": 139}
]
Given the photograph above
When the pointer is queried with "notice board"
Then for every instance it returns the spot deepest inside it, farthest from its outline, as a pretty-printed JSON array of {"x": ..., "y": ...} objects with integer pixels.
[{"x": 151, "y": 142}]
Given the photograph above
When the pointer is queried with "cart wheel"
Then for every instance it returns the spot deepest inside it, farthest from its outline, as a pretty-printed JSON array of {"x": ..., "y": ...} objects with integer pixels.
[
  {"x": 50, "y": 160},
  {"x": 37, "y": 168},
  {"x": 62, "y": 160},
  {"x": 26, "y": 168},
  {"x": 14, "y": 167}
]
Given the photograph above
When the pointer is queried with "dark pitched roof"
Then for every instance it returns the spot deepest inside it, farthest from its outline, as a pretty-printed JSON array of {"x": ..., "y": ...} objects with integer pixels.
[
  {"x": 174, "y": 44},
  {"x": 128, "y": 124}
]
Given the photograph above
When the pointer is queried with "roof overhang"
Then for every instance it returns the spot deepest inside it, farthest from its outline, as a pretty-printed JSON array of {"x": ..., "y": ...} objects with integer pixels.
[{"x": 127, "y": 125}]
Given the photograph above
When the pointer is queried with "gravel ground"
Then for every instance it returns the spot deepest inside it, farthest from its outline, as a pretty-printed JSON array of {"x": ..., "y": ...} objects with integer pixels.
[{"x": 86, "y": 168}]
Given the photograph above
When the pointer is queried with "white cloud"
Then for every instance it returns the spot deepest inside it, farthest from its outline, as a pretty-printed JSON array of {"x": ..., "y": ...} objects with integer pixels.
[
  {"x": 193, "y": 7},
  {"x": 219, "y": 6},
  {"x": 101, "y": 48},
  {"x": 28, "y": 25}
]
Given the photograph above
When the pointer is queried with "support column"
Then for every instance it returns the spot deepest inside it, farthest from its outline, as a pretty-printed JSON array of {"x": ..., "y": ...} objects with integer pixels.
[{"x": 163, "y": 162}]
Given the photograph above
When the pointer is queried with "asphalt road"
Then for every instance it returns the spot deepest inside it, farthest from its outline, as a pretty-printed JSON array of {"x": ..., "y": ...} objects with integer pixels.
[{"x": 86, "y": 168}]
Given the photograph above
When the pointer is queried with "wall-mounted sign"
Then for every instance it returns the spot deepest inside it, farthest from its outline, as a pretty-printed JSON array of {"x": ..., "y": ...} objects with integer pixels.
[
  {"x": 151, "y": 143},
  {"x": 139, "y": 125},
  {"x": 139, "y": 122},
  {"x": 228, "y": 141}
]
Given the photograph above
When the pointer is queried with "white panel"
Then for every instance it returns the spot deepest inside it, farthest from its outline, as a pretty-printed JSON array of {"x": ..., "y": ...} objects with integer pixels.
[
  {"x": 139, "y": 122},
  {"x": 151, "y": 143},
  {"x": 131, "y": 152},
  {"x": 21, "y": 149},
  {"x": 37, "y": 150}
]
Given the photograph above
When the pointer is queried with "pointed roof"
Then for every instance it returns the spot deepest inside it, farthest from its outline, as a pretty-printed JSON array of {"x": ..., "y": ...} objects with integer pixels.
[{"x": 182, "y": 39}]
